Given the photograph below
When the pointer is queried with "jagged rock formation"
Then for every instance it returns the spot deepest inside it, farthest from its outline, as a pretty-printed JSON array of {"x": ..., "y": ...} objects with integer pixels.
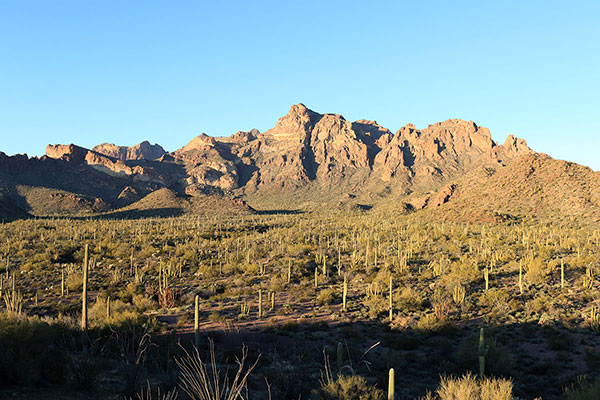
[
  {"x": 306, "y": 160},
  {"x": 141, "y": 151}
]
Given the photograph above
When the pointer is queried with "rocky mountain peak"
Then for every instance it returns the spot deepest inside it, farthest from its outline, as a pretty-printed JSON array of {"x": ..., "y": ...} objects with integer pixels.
[
  {"x": 516, "y": 146},
  {"x": 201, "y": 141}
]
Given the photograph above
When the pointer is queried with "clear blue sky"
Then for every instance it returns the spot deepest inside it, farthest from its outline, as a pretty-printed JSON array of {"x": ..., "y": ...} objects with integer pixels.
[{"x": 125, "y": 71}]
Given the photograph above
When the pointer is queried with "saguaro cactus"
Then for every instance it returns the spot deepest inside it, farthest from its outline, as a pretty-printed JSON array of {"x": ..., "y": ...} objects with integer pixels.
[
  {"x": 84, "y": 309},
  {"x": 108, "y": 309},
  {"x": 345, "y": 292},
  {"x": 340, "y": 356},
  {"x": 196, "y": 321},
  {"x": 391, "y": 305},
  {"x": 391, "y": 385},
  {"x": 260, "y": 313},
  {"x": 482, "y": 352},
  {"x": 486, "y": 275},
  {"x": 562, "y": 274},
  {"x": 521, "y": 276}
]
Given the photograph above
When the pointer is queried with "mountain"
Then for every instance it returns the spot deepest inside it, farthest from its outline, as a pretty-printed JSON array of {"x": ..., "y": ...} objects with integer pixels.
[{"x": 307, "y": 160}]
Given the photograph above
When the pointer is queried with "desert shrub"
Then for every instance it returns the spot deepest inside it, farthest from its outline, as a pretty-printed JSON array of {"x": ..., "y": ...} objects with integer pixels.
[
  {"x": 539, "y": 304},
  {"x": 26, "y": 349},
  {"x": 499, "y": 302},
  {"x": 498, "y": 361},
  {"x": 74, "y": 282},
  {"x": 408, "y": 299},
  {"x": 85, "y": 372},
  {"x": 537, "y": 270},
  {"x": 430, "y": 323},
  {"x": 143, "y": 303},
  {"x": 377, "y": 305},
  {"x": 353, "y": 387},
  {"x": 584, "y": 390},
  {"x": 120, "y": 313},
  {"x": 326, "y": 296},
  {"x": 470, "y": 388},
  {"x": 463, "y": 272}
]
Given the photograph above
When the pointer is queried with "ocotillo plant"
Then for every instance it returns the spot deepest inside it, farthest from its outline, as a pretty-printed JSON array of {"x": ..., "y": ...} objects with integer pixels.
[
  {"x": 84, "y": 313},
  {"x": 289, "y": 271},
  {"x": 391, "y": 385},
  {"x": 196, "y": 321},
  {"x": 108, "y": 309}
]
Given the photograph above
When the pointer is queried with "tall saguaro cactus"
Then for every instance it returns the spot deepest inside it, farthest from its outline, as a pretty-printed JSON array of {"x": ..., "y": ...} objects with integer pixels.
[
  {"x": 521, "y": 276},
  {"x": 345, "y": 292},
  {"x": 562, "y": 274},
  {"x": 482, "y": 352},
  {"x": 340, "y": 356},
  {"x": 391, "y": 385},
  {"x": 260, "y": 313},
  {"x": 196, "y": 322},
  {"x": 391, "y": 305},
  {"x": 84, "y": 309}
]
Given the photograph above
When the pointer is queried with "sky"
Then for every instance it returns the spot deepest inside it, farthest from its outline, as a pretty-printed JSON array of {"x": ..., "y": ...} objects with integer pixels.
[{"x": 89, "y": 72}]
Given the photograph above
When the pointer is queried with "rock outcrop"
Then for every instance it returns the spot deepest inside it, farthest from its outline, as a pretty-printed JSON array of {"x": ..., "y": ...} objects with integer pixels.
[{"x": 141, "y": 151}]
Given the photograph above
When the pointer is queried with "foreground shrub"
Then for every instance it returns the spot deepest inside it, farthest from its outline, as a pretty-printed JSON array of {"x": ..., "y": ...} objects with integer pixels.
[
  {"x": 28, "y": 351},
  {"x": 584, "y": 390},
  {"x": 469, "y": 387},
  {"x": 206, "y": 381},
  {"x": 353, "y": 387}
]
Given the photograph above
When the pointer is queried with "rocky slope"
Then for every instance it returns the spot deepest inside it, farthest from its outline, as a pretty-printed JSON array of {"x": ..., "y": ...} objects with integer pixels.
[
  {"x": 531, "y": 185},
  {"x": 307, "y": 160}
]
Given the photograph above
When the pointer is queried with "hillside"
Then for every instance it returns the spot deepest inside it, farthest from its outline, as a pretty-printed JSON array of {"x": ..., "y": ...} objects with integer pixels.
[{"x": 532, "y": 185}]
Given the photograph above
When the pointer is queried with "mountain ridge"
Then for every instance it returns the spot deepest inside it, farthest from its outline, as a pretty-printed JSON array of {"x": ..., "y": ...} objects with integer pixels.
[{"x": 305, "y": 161}]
